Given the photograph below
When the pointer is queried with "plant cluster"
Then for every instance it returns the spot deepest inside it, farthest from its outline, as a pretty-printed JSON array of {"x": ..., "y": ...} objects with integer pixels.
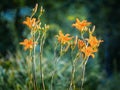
[{"x": 84, "y": 45}]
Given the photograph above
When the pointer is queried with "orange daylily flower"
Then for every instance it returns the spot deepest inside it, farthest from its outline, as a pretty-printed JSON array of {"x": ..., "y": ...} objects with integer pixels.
[
  {"x": 81, "y": 25},
  {"x": 93, "y": 41},
  {"x": 63, "y": 39},
  {"x": 88, "y": 51},
  {"x": 81, "y": 44},
  {"x": 30, "y": 22},
  {"x": 28, "y": 44}
]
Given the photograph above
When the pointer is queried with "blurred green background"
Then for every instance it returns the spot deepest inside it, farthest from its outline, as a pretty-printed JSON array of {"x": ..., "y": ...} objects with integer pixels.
[{"x": 103, "y": 73}]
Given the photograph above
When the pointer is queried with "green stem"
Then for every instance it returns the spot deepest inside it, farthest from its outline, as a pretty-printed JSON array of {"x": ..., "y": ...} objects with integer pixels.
[
  {"x": 52, "y": 78},
  {"x": 34, "y": 65},
  {"x": 72, "y": 85},
  {"x": 83, "y": 72},
  {"x": 29, "y": 69},
  {"x": 41, "y": 73},
  {"x": 61, "y": 50},
  {"x": 55, "y": 64}
]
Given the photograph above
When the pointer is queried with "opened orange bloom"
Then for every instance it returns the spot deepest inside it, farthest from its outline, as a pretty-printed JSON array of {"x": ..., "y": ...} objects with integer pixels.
[
  {"x": 63, "y": 39},
  {"x": 93, "y": 41},
  {"x": 30, "y": 22},
  {"x": 81, "y": 25},
  {"x": 81, "y": 44},
  {"x": 28, "y": 44},
  {"x": 88, "y": 51}
]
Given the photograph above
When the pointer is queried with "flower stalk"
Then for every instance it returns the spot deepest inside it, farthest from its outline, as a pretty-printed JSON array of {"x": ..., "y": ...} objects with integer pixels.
[{"x": 41, "y": 69}]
